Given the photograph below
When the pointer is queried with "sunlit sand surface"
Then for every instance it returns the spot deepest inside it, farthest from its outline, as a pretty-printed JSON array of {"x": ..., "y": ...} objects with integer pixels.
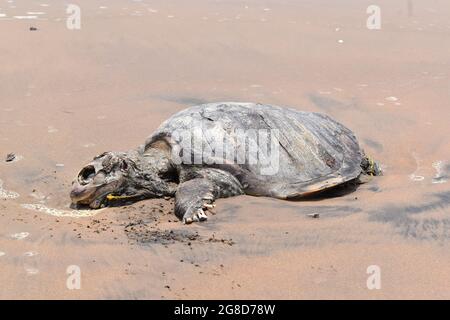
[{"x": 68, "y": 95}]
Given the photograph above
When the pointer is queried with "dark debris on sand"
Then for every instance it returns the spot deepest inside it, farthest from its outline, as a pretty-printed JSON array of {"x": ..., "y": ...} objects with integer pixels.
[
  {"x": 149, "y": 223},
  {"x": 10, "y": 157},
  {"x": 142, "y": 234}
]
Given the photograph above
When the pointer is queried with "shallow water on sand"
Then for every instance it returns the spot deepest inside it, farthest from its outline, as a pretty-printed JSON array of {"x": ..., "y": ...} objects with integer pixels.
[{"x": 67, "y": 95}]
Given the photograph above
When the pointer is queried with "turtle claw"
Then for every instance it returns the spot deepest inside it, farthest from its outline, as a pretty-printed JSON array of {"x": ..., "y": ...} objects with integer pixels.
[
  {"x": 209, "y": 206},
  {"x": 209, "y": 196},
  {"x": 199, "y": 215},
  {"x": 193, "y": 199},
  {"x": 187, "y": 221}
]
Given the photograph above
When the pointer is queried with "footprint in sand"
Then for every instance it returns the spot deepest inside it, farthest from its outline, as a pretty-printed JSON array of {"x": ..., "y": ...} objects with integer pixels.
[
  {"x": 441, "y": 176},
  {"x": 20, "y": 235},
  {"x": 30, "y": 253},
  {"x": 39, "y": 196},
  {"x": 31, "y": 271},
  {"x": 25, "y": 17},
  {"x": 35, "y": 13},
  {"x": 5, "y": 194},
  {"x": 391, "y": 99},
  {"x": 413, "y": 176},
  {"x": 51, "y": 129},
  {"x": 89, "y": 145},
  {"x": 61, "y": 213}
]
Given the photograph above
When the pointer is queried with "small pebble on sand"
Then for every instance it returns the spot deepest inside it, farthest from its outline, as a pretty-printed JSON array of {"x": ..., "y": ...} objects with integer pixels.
[{"x": 10, "y": 157}]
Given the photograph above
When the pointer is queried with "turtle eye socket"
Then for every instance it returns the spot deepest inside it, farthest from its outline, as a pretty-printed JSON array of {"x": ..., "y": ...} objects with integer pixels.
[
  {"x": 86, "y": 175},
  {"x": 124, "y": 166}
]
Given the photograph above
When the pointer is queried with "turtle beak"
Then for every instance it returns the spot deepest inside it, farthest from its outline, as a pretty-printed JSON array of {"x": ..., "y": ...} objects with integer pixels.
[
  {"x": 91, "y": 187},
  {"x": 81, "y": 194},
  {"x": 91, "y": 195}
]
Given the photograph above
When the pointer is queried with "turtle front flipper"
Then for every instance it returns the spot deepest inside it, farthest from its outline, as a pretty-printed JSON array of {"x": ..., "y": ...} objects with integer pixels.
[
  {"x": 199, "y": 188},
  {"x": 192, "y": 198}
]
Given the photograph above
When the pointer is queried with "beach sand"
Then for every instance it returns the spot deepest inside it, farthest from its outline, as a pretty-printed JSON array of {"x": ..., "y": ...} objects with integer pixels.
[{"x": 68, "y": 95}]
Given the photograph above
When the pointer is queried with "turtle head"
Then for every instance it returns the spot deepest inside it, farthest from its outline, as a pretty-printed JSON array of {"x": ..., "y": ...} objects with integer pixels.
[
  {"x": 117, "y": 175},
  {"x": 106, "y": 174}
]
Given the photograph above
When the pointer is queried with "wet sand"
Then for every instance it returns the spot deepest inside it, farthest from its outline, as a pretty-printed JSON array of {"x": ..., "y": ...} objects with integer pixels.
[{"x": 67, "y": 96}]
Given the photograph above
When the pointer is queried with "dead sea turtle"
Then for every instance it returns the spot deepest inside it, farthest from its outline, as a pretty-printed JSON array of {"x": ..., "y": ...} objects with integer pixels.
[{"x": 222, "y": 150}]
